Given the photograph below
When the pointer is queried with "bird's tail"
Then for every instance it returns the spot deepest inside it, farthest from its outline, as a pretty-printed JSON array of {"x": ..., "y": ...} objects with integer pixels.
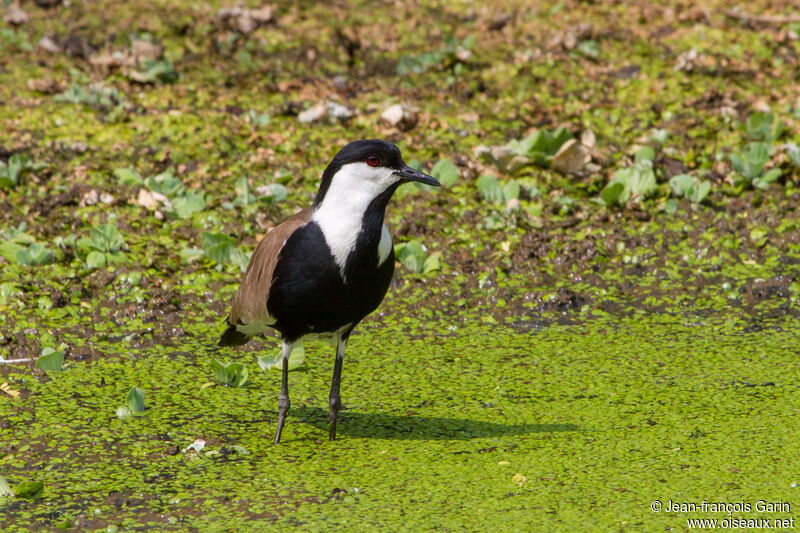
[{"x": 233, "y": 337}]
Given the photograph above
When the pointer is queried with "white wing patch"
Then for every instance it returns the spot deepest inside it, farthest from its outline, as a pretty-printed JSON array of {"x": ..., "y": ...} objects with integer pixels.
[
  {"x": 341, "y": 213},
  {"x": 385, "y": 246}
]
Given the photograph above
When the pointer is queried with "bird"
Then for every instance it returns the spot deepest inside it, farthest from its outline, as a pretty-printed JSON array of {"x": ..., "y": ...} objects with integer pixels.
[{"x": 322, "y": 270}]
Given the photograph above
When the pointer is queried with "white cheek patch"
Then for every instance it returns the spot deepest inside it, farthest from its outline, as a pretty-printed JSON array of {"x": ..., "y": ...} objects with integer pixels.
[
  {"x": 385, "y": 246},
  {"x": 341, "y": 212}
]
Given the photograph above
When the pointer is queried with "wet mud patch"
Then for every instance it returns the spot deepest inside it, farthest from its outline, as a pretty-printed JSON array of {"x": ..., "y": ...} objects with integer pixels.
[{"x": 754, "y": 292}]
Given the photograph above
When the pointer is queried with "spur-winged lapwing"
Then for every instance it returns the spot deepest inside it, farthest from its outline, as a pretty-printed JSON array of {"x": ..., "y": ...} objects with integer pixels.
[{"x": 321, "y": 271}]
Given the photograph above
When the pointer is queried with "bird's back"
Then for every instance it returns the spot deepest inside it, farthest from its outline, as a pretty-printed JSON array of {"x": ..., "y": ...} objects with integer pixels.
[{"x": 250, "y": 303}]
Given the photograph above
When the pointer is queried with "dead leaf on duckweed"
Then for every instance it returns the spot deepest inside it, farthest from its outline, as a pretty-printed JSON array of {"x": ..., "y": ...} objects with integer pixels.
[
  {"x": 519, "y": 479},
  {"x": 196, "y": 446},
  {"x": 8, "y": 390}
]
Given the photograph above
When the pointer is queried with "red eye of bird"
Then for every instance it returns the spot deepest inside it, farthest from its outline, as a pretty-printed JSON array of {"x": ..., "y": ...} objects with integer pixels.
[{"x": 373, "y": 160}]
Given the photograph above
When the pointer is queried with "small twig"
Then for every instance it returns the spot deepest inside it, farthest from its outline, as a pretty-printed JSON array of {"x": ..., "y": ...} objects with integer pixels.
[
  {"x": 17, "y": 360},
  {"x": 763, "y": 19}
]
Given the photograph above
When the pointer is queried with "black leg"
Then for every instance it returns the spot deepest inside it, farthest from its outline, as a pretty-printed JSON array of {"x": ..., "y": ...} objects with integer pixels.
[
  {"x": 334, "y": 401},
  {"x": 283, "y": 400}
]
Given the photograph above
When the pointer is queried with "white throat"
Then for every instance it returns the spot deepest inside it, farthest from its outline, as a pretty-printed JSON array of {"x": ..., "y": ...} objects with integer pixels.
[{"x": 341, "y": 213}]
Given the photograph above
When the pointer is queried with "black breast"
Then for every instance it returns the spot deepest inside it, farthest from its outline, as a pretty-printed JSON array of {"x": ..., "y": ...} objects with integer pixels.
[{"x": 308, "y": 293}]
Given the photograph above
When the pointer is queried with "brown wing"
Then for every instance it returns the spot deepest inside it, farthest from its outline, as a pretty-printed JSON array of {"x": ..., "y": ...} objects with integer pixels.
[{"x": 250, "y": 302}]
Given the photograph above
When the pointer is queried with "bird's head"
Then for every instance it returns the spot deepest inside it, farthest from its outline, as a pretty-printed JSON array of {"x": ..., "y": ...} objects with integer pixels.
[{"x": 367, "y": 169}]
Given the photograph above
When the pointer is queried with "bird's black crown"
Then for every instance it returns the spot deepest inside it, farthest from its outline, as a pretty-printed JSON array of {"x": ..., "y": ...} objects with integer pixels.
[{"x": 358, "y": 152}]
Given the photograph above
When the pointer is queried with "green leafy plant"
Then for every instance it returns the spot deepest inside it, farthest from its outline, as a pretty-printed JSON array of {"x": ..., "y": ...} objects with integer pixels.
[
  {"x": 34, "y": 254},
  {"x": 8, "y": 292},
  {"x": 134, "y": 403},
  {"x": 29, "y": 489},
  {"x": 492, "y": 191},
  {"x": 14, "y": 40},
  {"x": 689, "y": 187},
  {"x": 256, "y": 118},
  {"x": 191, "y": 202},
  {"x": 612, "y": 194},
  {"x": 5, "y": 488},
  {"x": 154, "y": 70},
  {"x": 763, "y": 126},
  {"x": 222, "y": 249},
  {"x": 166, "y": 183},
  {"x": 18, "y": 246},
  {"x": 413, "y": 255},
  {"x": 541, "y": 146},
  {"x": 107, "y": 100},
  {"x": 269, "y": 193},
  {"x": 96, "y": 96},
  {"x": 749, "y": 166},
  {"x": 128, "y": 176},
  {"x": 272, "y": 192},
  {"x": 589, "y": 48},
  {"x": 793, "y": 153},
  {"x": 51, "y": 360},
  {"x": 660, "y": 136},
  {"x": 103, "y": 246},
  {"x": 452, "y": 54},
  {"x": 135, "y": 400},
  {"x": 635, "y": 182},
  {"x": 230, "y": 374},
  {"x": 296, "y": 359},
  {"x": 243, "y": 195},
  {"x": 178, "y": 201},
  {"x": 446, "y": 172},
  {"x": 11, "y": 172}
]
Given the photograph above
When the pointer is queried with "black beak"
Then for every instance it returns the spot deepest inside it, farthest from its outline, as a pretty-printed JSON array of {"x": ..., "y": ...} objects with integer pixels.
[{"x": 412, "y": 174}]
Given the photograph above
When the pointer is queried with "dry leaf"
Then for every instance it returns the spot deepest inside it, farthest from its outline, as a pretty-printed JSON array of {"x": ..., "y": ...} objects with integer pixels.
[
  {"x": 8, "y": 390},
  {"x": 588, "y": 139},
  {"x": 15, "y": 15},
  {"x": 400, "y": 116},
  {"x": 245, "y": 20},
  {"x": 146, "y": 50},
  {"x": 150, "y": 200},
  {"x": 46, "y": 85},
  {"x": 571, "y": 157},
  {"x": 48, "y": 44}
]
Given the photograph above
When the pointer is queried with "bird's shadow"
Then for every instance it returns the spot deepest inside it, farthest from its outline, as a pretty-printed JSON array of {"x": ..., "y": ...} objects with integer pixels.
[{"x": 414, "y": 427}]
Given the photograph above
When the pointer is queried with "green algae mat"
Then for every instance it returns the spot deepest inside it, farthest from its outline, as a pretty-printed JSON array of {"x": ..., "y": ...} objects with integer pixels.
[
  {"x": 593, "y": 324},
  {"x": 571, "y": 427}
]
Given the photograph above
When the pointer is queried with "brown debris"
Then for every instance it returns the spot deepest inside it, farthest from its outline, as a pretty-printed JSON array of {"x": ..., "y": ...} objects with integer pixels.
[
  {"x": 569, "y": 39},
  {"x": 46, "y": 85},
  {"x": 400, "y": 116},
  {"x": 762, "y": 19},
  {"x": 48, "y": 44},
  {"x": 77, "y": 46},
  {"x": 15, "y": 16},
  {"x": 244, "y": 20},
  {"x": 571, "y": 158}
]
